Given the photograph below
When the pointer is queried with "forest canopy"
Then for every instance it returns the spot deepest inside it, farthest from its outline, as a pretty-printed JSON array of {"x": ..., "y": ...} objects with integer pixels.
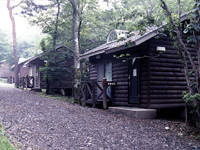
[{"x": 94, "y": 21}]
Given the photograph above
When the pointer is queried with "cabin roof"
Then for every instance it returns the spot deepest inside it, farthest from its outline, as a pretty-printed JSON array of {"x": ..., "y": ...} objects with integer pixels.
[
  {"x": 32, "y": 59},
  {"x": 135, "y": 39},
  {"x": 43, "y": 53}
]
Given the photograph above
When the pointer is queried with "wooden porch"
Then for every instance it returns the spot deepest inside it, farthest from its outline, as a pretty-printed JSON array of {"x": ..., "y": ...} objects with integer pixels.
[{"x": 95, "y": 92}]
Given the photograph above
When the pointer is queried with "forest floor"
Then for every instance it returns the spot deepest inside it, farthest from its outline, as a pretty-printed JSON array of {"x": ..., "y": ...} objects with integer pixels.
[{"x": 35, "y": 122}]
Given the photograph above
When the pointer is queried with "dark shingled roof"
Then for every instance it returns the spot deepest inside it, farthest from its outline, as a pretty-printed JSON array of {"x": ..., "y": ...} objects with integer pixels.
[{"x": 136, "y": 39}]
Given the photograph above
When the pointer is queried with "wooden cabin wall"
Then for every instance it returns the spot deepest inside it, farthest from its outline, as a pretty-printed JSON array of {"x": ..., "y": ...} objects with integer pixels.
[
  {"x": 166, "y": 77},
  {"x": 120, "y": 73},
  {"x": 93, "y": 71}
]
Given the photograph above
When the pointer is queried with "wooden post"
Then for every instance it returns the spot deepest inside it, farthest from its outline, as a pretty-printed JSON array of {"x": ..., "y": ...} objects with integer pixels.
[
  {"x": 104, "y": 84},
  {"x": 94, "y": 94}
]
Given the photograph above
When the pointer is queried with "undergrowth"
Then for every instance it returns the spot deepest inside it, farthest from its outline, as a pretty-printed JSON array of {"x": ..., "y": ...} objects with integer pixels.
[{"x": 4, "y": 142}]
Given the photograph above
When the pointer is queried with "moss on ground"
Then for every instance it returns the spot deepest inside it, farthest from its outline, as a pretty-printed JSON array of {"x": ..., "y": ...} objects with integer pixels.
[
  {"x": 57, "y": 97},
  {"x": 4, "y": 142}
]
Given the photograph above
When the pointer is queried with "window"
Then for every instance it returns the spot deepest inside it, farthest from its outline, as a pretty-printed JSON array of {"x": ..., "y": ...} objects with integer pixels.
[
  {"x": 108, "y": 71},
  {"x": 31, "y": 71}
]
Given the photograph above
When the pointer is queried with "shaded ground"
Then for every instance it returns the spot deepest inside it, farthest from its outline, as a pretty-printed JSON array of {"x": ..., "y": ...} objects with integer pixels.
[{"x": 34, "y": 122}]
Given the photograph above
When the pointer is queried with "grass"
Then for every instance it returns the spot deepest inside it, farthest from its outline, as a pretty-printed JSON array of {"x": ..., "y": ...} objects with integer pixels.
[
  {"x": 4, "y": 142},
  {"x": 56, "y": 97}
]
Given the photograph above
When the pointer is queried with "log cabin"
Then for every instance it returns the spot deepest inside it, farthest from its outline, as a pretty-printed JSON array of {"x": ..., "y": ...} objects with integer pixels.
[
  {"x": 34, "y": 64},
  {"x": 145, "y": 69},
  {"x": 23, "y": 72},
  {"x": 62, "y": 82}
]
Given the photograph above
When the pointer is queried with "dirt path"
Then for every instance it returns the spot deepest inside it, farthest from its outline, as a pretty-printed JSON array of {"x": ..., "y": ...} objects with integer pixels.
[{"x": 37, "y": 123}]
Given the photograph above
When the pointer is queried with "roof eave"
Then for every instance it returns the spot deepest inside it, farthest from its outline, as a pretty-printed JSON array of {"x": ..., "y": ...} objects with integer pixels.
[{"x": 83, "y": 56}]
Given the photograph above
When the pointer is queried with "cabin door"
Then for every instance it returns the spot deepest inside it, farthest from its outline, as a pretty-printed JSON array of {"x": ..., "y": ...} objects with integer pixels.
[{"x": 134, "y": 81}]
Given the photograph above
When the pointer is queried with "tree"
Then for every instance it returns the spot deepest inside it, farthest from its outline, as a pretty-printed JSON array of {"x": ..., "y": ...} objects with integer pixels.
[
  {"x": 10, "y": 10},
  {"x": 191, "y": 66},
  {"x": 75, "y": 7}
]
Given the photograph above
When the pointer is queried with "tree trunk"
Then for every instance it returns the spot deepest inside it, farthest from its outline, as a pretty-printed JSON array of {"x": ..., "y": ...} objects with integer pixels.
[
  {"x": 55, "y": 35},
  {"x": 74, "y": 4},
  {"x": 14, "y": 42}
]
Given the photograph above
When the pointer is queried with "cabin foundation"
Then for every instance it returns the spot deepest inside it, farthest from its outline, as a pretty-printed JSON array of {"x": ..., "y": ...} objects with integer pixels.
[{"x": 138, "y": 113}]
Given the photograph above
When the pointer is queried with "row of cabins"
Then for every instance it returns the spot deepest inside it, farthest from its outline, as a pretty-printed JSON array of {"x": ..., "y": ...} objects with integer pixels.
[{"x": 143, "y": 71}]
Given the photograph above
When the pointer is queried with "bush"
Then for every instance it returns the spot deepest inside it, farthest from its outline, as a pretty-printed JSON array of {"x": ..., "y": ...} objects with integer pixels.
[{"x": 193, "y": 108}]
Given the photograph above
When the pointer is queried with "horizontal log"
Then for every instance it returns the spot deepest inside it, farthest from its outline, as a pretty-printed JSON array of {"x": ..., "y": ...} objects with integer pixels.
[
  {"x": 120, "y": 95},
  {"x": 120, "y": 92},
  {"x": 120, "y": 68},
  {"x": 162, "y": 91},
  {"x": 92, "y": 68},
  {"x": 168, "y": 101},
  {"x": 121, "y": 83},
  {"x": 168, "y": 74},
  {"x": 121, "y": 79},
  {"x": 167, "y": 83},
  {"x": 118, "y": 99},
  {"x": 120, "y": 72},
  {"x": 165, "y": 60},
  {"x": 161, "y": 101},
  {"x": 169, "y": 65},
  {"x": 117, "y": 103},
  {"x": 169, "y": 56},
  {"x": 93, "y": 72},
  {"x": 164, "y": 96},
  {"x": 158, "y": 78},
  {"x": 122, "y": 87},
  {"x": 163, "y": 87},
  {"x": 119, "y": 64},
  {"x": 93, "y": 78},
  {"x": 93, "y": 75}
]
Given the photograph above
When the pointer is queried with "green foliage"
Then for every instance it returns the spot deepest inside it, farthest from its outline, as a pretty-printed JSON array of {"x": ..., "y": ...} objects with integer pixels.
[
  {"x": 192, "y": 29},
  {"x": 190, "y": 98},
  {"x": 193, "y": 107},
  {"x": 4, "y": 142},
  {"x": 58, "y": 63}
]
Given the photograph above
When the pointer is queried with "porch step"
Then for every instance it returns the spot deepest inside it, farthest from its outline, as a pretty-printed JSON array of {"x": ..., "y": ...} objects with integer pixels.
[{"x": 139, "y": 113}]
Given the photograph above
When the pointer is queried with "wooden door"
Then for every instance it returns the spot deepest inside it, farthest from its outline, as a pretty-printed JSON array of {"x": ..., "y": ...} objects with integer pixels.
[{"x": 134, "y": 81}]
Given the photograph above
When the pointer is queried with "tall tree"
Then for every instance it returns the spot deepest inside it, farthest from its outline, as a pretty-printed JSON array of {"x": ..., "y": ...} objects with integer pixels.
[
  {"x": 75, "y": 7},
  {"x": 55, "y": 35},
  {"x": 10, "y": 9}
]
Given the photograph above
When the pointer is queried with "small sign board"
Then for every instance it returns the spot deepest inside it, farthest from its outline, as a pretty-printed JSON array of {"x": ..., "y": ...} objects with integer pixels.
[{"x": 112, "y": 83}]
